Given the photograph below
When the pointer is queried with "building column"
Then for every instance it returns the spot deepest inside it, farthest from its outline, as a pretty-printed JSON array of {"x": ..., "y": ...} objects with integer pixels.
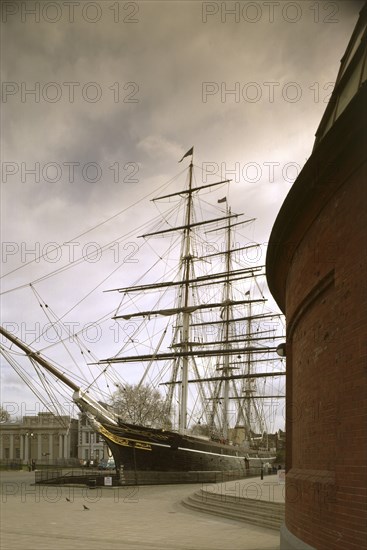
[
  {"x": 11, "y": 446},
  {"x": 60, "y": 446},
  {"x": 21, "y": 447},
  {"x": 39, "y": 447},
  {"x": 66, "y": 446},
  {"x": 26, "y": 450},
  {"x": 50, "y": 445}
]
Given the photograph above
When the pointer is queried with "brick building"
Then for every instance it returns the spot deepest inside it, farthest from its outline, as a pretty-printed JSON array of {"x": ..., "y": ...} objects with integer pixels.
[
  {"x": 316, "y": 269},
  {"x": 91, "y": 446}
]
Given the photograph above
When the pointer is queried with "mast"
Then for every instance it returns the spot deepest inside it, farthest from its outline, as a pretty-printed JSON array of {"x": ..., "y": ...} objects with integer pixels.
[
  {"x": 227, "y": 298},
  {"x": 236, "y": 336},
  {"x": 248, "y": 382},
  {"x": 249, "y": 412},
  {"x": 186, "y": 312}
]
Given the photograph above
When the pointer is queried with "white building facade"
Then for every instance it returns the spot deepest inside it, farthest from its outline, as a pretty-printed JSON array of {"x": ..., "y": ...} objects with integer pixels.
[{"x": 40, "y": 439}]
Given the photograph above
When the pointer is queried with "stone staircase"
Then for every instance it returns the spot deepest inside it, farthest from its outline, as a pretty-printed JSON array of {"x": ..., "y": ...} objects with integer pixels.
[{"x": 257, "y": 512}]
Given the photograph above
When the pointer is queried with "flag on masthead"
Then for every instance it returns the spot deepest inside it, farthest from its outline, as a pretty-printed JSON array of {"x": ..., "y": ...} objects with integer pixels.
[{"x": 189, "y": 152}]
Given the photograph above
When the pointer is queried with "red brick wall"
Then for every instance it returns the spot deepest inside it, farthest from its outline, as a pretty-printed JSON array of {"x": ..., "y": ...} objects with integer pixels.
[
  {"x": 326, "y": 309},
  {"x": 316, "y": 270}
]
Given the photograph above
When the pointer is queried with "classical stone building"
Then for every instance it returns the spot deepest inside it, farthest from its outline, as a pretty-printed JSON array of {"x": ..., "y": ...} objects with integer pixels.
[
  {"x": 43, "y": 439},
  {"x": 316, "y": 270},
  {"x": 47, "y": 439}
]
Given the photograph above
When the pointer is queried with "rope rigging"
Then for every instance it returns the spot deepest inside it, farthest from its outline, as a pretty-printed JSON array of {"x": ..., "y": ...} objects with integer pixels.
[{"x": 139, "y": 337}]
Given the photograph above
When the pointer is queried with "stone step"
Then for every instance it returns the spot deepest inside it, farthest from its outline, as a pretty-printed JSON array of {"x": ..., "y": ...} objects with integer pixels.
[
  {"x": 261, "y": 509},
  {"x": 267, "y": 522},
  {"x": 240, "y": 502},
  {"x": 262, "y": 513}
]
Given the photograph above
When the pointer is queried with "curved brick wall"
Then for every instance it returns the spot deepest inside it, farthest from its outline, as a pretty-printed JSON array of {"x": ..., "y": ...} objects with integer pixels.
[{"x": 316, "y": 268}]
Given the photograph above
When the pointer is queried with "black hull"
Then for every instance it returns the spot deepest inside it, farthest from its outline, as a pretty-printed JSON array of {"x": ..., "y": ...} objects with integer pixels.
[{"x": 146, "y": 455}]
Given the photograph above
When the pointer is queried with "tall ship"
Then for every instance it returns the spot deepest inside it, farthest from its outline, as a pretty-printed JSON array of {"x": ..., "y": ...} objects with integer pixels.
[{"x": 201, "y": 333}]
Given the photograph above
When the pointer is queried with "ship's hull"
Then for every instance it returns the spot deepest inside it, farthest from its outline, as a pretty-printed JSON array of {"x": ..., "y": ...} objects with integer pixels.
[{"x": 147, "y": 455}]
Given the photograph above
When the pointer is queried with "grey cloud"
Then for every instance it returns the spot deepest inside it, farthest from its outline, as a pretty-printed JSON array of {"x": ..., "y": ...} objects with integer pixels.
[{"x": 169, "y": 54}]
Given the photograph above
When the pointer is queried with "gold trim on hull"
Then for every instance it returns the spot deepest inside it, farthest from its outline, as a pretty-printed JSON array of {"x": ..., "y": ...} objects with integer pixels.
[{"x": 124, "y": 441}]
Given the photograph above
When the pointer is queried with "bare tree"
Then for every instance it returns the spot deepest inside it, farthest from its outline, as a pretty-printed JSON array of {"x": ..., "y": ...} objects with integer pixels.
[
  {"x": 4, "y": 415},
  {"x": 200, "y": 429},
  {"x": 141, "y": 405}
]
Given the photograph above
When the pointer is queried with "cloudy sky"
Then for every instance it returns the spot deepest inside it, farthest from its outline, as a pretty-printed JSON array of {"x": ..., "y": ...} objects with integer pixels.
[{"x": 101, "y": 99}]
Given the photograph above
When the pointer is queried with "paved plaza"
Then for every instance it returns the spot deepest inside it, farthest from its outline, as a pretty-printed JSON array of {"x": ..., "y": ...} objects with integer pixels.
[{"x": 149, "y": 517}]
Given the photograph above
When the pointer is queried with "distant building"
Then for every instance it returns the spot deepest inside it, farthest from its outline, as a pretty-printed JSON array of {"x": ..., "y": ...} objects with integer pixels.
[
  {"x": 50, "y": 440},
  {"x": 239, "y": 436},
  {"x": 263, "y": 442},
  {"x": 91, "y": 446},
  {"x": 43, "y": 439},
  {"x": 317, "y": 272}
]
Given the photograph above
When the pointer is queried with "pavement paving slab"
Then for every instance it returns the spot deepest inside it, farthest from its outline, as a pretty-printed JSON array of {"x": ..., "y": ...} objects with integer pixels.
[{"x": 127, "y": 518}]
